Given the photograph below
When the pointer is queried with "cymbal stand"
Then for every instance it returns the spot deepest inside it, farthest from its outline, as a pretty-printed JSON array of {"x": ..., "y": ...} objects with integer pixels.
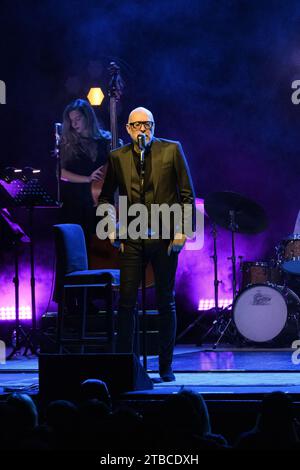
[
  {"x": 233, "y": 228},
  {"x": 216, "y": 308},
  {"x": 215, "y": 260}
]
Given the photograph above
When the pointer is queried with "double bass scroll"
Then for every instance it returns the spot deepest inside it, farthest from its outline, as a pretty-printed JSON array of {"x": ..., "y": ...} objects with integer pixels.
[{"x": 115, "y": 90}]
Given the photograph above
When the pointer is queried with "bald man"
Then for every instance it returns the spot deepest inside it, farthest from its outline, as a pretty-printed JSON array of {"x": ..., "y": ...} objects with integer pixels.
[{"x": 167, "y": 180}]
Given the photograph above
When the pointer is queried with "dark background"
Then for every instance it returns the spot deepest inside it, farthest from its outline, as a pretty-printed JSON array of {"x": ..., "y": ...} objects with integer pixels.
[{"x": 217, "y": 76}]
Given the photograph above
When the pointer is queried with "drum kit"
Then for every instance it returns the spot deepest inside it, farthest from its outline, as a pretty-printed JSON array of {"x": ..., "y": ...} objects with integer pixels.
[{"x": 265, "y": 310}]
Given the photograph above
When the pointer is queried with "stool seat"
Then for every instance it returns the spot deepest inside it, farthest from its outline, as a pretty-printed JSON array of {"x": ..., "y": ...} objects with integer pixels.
[{"x": 94, "y": 276}]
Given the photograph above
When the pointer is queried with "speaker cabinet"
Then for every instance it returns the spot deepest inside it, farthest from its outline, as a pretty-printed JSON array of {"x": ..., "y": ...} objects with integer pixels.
[{"x": 60, "y": 375}]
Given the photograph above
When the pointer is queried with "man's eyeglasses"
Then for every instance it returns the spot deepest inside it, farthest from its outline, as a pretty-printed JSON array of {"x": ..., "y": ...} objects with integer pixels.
[{"x": 138, "y": 125}]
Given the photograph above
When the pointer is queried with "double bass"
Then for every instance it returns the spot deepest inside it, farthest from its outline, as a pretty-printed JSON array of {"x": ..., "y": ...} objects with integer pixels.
[
  {"x": 102, "y": 254},
  {"x": 114, "y": 92}
]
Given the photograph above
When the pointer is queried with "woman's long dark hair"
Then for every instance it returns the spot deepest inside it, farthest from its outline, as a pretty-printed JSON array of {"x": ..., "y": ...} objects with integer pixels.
[{"x": 70, "y": 138}]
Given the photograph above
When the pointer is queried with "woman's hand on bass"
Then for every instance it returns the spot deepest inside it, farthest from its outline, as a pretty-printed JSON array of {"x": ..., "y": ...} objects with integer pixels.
[{"x": 97, "y": 175}]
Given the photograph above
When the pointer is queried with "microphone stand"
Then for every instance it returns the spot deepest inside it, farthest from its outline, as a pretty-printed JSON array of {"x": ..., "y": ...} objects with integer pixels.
[
  {"x": 56, "y": 154},
  {"x": 142, "y": 193}
]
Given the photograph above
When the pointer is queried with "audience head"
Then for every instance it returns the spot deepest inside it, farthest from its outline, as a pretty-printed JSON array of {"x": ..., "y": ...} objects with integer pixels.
[
  {"x": 25, "y": 409},
  {"x": 95, "y": 389},
  {"x": 276, "y": 412}
]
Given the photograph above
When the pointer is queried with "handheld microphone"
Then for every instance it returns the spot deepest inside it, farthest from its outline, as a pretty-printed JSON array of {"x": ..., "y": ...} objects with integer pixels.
[{"x": 141, "y": 140}]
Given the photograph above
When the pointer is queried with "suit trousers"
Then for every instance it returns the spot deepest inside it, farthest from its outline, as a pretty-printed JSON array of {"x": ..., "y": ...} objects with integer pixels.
[{"x": 164, "y": 268}]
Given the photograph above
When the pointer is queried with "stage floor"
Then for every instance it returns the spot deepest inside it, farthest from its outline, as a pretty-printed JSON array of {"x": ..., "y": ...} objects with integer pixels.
[{"x": 221, "y": 372}]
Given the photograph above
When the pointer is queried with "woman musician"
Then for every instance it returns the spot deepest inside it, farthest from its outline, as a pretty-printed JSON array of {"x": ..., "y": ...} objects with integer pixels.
[{"x": 84, "y": 150}]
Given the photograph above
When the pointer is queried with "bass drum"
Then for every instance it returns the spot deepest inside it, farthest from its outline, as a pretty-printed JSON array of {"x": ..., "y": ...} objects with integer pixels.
[{"x": 263, "y": 313}]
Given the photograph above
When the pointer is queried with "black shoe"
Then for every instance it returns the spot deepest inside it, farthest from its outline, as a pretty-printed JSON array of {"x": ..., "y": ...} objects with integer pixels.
[
  {"x": 167, "y": 375},
  {"x": 156, "y": 380}
]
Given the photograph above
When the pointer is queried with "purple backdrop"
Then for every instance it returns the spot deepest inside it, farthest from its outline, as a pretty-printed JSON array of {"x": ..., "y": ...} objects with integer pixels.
[{"x": 217, "y": 76}]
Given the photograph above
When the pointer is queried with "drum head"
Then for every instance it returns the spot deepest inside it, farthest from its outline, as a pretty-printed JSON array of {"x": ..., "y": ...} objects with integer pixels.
[
  {"x": 292, "y": 266},
  {"x": 260, "y": 312}
]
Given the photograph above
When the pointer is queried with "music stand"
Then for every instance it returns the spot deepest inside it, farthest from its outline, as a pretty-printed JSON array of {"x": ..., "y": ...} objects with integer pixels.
[
  {"x": 30, "y": 195},
  {"x": 18, "y": 236}
]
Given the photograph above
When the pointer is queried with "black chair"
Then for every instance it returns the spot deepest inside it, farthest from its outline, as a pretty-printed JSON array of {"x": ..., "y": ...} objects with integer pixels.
[{"x": 72, "y": 272}]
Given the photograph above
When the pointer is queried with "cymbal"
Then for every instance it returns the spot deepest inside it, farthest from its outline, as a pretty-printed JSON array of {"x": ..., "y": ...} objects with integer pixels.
[{"x": 249, "y": 217}]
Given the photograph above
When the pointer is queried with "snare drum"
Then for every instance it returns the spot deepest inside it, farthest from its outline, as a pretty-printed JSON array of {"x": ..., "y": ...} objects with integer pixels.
[
  {"x": 259, "y": 272},
  {"x": 289, "y": 254},
  {"x": 263, "y": 313}
]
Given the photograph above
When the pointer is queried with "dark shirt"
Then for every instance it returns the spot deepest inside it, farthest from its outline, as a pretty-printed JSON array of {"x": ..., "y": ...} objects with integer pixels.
[
  {"x": 78, "y": 205},
  {"x": 148, "y": 182},
  {"x": 148, "y": 162},
  {"x": 87, "y": 156}
]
